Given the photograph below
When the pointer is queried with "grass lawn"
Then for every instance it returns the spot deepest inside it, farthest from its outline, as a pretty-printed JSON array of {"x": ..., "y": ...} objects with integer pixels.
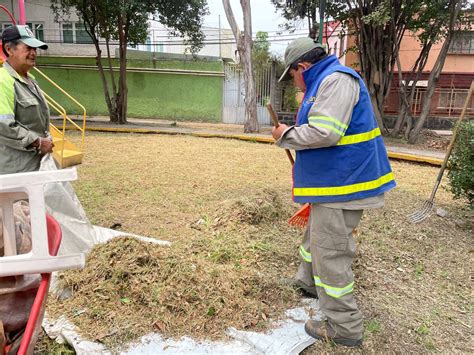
[{"x": 224, "y": 205}]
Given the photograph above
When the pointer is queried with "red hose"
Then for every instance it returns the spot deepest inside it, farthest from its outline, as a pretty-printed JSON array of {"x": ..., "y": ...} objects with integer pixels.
[{"x": 9, "y": 13}]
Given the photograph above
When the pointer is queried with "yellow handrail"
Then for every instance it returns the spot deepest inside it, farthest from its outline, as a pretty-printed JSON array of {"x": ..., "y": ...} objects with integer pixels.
[
  {"x": 61, "y": 110},
  {"x": 55, "y": 105},
  {"x": 83, "y": 130}
]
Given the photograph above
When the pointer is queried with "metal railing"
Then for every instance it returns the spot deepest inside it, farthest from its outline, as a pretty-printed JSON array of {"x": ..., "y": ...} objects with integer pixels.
[
  {"x": 444, "y": 103},
  {"x": 60, "y": 109}
]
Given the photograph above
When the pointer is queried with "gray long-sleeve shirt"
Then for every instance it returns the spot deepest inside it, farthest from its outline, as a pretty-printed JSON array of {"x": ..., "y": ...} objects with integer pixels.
[{"x": 336, "y": 98}]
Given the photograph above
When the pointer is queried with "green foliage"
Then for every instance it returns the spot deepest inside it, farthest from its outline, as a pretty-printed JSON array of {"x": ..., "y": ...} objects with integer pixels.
[
  {"x": 261, "y": 50},
  {"x": 380, "y": 15},
  {"x": 261, "y": 44},
  {"x": 461, "y": 164},
  {"x": 297, "y": 11},
  {"x": 289, "y": 98}
]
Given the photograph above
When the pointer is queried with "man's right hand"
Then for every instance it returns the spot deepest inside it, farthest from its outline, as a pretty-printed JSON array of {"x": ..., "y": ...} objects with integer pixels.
[{"x": 44, "y": 145}]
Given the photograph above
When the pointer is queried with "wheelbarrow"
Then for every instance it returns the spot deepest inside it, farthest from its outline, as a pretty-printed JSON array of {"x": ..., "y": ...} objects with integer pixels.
[
  {"x": 46, "y": 235},
  {"x": 35, "y": 318}
]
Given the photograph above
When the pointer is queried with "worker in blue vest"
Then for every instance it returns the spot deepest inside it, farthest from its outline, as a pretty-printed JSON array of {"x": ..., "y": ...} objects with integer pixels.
[{"x": 341, "y": 168}]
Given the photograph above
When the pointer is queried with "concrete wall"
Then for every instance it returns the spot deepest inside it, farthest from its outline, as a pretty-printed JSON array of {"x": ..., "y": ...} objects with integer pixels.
[
  {"x": 169, "y": 89},
  {"x": 160, "y": 40},
  {"x": 455, "y": 63},
  {"x": 409, "y": 51},
  {"x": 335, "y": 41}
]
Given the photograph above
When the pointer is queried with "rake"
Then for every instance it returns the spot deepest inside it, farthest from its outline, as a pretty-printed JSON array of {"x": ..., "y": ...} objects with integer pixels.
[
  {"x": 427, "y": 208},
  {"x": 300, "y": 218}
]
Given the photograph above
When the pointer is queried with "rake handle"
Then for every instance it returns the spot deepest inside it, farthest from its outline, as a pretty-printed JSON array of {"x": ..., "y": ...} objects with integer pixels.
[
  {"x": 451, "y": 144},
  {"x": 276, "y": 124}
]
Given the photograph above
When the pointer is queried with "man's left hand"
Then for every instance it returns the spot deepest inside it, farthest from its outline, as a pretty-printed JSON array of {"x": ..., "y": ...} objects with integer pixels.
[{"x": 277, "y": 132}]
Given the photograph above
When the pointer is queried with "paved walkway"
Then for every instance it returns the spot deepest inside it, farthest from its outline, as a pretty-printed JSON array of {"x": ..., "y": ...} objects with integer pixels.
[{"x": 220, "y": 130}]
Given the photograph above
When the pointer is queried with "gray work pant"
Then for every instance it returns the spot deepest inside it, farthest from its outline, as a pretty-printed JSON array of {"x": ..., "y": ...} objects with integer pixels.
[{"x": 327, "y": 253}]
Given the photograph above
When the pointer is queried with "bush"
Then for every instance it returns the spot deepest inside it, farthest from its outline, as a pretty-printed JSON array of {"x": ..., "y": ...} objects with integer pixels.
[{"x": 461, "y": 164}]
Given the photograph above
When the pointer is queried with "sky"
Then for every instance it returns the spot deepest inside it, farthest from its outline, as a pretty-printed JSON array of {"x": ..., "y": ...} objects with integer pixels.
[{"x": 264, "y": 18}]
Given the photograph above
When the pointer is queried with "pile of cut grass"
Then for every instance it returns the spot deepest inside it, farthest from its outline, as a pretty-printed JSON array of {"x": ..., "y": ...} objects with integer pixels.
[
  {"x": 227, "y": 276},
  {"x": 268, "y": 207}
]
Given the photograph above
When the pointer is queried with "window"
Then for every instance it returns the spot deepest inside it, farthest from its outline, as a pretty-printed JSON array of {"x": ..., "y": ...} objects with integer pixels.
[
  {"x": 68, "y": 33},
  {"x": 148, "y": 44},
  {"x": 159, "y": 47},
  {"x": 74, "y": 32},
  {"x": 3, "y": 26},
  {"x": 462, "y": 43},
  {"x": 81, "y": 34},
  {"x": 38, "y": 29},
  {"x": 452, "y": 99}
]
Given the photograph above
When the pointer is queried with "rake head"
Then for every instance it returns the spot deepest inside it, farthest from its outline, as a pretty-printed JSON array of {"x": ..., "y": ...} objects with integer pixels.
[
  {"x": 423, "y": 213},
  {"x": 300, "y": 218}
]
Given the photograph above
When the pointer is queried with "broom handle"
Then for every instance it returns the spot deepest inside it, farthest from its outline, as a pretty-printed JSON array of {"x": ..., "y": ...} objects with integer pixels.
[
  {"x": 274, "y": 118},
  {"x": 453, "y": 139}
]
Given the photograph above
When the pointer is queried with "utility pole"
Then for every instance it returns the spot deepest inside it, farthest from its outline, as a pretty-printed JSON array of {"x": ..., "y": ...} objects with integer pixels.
[
  {"x": 322, "y": 8},
  {"x": 220, "y": 49}
]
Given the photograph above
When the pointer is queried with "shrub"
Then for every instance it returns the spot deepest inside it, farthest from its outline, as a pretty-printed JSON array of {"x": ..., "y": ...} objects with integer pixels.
[{"x": 461, "y": 164}]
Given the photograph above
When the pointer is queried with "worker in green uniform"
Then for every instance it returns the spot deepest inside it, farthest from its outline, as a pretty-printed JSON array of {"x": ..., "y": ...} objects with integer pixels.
[{"x": 24, "y": 113}]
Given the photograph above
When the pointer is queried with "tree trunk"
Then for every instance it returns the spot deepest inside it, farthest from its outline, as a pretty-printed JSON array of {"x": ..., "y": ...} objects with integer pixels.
[
  {"x": 435, "y": 73},
  {"x": 251, "y": 121},
  {"x": 111, "y": 104},
  {"x": 122, "y": 88},
  {"x": 408, "y": 89},
  {"x": 91, "y": 27},
  {"x": 111, "y": 70},
  {"x": 244, "y": 46}
]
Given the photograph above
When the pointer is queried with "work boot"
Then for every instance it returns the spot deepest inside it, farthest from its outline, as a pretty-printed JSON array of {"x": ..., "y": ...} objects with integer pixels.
[
  {"x": 323, "y": 331},
  {"x": 308, "y": 291}
]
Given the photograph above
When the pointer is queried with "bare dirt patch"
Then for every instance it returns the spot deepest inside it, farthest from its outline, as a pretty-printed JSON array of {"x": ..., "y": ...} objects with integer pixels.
[{"x": 213, "y": 199}]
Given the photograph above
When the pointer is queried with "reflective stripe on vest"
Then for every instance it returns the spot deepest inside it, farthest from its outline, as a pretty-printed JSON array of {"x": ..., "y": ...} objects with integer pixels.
[
  {"x": 335, "y": 292},
  {"x": 328, "y": 122},
  {"x": 305, "y": 255},
  {"x": 359, "y": 138},
  {"x": 7, "y": 117},
  {"x": 343, "y": 190}
]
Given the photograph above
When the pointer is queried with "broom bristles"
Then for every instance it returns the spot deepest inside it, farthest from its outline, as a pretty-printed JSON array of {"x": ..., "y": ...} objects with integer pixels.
[{"x": 300, "y": 218}]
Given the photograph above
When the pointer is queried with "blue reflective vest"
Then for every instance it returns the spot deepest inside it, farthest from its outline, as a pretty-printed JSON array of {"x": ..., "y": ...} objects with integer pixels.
[{"x": 357, "y": 167}]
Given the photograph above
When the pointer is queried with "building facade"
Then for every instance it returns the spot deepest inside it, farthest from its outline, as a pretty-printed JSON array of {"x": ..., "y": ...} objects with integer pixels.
[
  {"x": 454, "y": 82},
  {"x": 68, "y": 37}
]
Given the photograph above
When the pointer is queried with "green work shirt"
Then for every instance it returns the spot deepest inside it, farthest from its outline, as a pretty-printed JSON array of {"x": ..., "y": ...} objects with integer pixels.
[{"x": 24, "y": 116}]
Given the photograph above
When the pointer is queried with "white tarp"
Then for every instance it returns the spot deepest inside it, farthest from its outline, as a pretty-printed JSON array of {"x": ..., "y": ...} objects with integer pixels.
[
  {"x": 287, "y": 337},
  {"x": 63, "y": 204}
]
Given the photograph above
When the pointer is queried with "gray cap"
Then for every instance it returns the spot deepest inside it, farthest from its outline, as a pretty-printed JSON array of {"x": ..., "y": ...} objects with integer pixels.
[
  {"x": 296, "y": 50},
  {"x": 24, "y": 34}
]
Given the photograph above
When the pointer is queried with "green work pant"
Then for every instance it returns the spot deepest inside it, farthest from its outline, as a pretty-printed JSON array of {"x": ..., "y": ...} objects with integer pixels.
[{"x": 327, "y": 252}]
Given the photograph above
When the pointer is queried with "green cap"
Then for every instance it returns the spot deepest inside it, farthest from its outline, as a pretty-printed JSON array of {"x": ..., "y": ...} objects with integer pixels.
[
  {"x": 296, "y": 50},
  {"x": 24, "y": 34}
]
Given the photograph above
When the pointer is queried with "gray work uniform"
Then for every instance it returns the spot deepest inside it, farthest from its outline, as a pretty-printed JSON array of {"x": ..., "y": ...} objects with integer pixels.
[
  {"x": 328, "y": 247},
  {"x": 24, "y": 116}
]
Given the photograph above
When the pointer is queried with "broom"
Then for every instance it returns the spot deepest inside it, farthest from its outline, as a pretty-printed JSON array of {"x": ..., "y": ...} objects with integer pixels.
[{"x": 300, "y": 218}]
